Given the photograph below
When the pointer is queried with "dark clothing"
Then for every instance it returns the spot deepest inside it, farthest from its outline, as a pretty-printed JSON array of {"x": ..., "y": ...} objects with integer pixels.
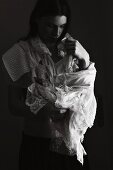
[{"x": 36, "y": 155}]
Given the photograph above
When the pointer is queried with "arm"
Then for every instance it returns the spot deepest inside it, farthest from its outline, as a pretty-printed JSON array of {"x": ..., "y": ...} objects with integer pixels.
[
  {"x": 17, "y": 106},
  {"x": 16, "y": 101},
  {"x": 74, "y": 48}
]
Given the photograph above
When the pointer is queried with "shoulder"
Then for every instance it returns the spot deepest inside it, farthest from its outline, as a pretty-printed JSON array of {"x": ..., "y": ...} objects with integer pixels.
[
  {"x": 15, "y": 60},
  {"x": 15, "y": 54},
  {"x": 16, "y": 49}
]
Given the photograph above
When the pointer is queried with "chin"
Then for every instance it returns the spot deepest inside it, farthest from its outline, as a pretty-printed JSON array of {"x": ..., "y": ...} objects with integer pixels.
[{"x": 52, "y": 40}]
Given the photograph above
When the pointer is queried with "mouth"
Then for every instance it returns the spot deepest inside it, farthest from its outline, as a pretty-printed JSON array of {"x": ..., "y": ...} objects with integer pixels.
[{"x": 53, "y": 38}]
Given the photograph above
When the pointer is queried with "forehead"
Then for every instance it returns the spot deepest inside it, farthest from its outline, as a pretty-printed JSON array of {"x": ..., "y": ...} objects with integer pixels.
[{"x": 56, "y": 20}]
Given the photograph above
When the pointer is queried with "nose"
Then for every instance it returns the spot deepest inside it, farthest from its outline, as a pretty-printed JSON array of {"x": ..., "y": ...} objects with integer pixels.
[{"x": 57, "y": 31}]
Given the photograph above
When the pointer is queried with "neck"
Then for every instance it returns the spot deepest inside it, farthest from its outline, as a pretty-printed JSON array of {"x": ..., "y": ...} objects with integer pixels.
[
  {"x": 48, "y": 43},
  {"x": 51, "y": 45}
]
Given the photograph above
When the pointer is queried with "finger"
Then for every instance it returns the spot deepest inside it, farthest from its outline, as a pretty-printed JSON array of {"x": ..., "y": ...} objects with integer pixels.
[
  {"x": 70, "y": 39},
  {"x": 70, "y": 44},
  {"x": 71, "y": 48},
  {"x": 71, "y": 53}
]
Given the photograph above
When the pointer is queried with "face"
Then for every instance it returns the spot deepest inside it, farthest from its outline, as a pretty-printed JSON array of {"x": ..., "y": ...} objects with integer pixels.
[{"x": 50, "y": 28}]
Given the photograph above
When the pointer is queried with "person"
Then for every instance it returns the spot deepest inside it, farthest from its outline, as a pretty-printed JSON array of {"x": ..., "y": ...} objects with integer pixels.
[{"x": 49, "y": 24}]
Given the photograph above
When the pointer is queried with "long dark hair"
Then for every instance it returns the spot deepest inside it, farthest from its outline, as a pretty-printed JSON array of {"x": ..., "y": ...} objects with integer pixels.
[{"x": 49, "y": 8}]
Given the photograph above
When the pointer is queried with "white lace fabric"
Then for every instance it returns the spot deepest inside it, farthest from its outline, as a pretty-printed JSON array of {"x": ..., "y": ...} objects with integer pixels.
[
  {"x": 77, "y": 96},
  {"x": 73, "y": 91},
  {"x": 61, "y": 84}
]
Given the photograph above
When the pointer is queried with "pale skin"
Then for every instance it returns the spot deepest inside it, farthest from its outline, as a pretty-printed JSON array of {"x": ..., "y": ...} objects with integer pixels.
[{"x": 50, "y": 29}]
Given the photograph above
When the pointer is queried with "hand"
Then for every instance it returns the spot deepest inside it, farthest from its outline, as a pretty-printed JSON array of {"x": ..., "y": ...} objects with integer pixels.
[
  {"x": 74, "y": 48},
  {"x": 54, "y": 112},
  {"x": 46, "y": 92}
]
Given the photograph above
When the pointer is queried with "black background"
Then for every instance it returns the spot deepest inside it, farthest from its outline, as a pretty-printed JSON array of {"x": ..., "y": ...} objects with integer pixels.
[{"x": 92, "y": 25}]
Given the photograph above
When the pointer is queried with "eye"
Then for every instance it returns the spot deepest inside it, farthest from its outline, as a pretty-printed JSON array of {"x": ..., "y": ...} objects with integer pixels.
[
  {"x": 50, "y": 25},
  {"x": 62, "y": 26}
]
